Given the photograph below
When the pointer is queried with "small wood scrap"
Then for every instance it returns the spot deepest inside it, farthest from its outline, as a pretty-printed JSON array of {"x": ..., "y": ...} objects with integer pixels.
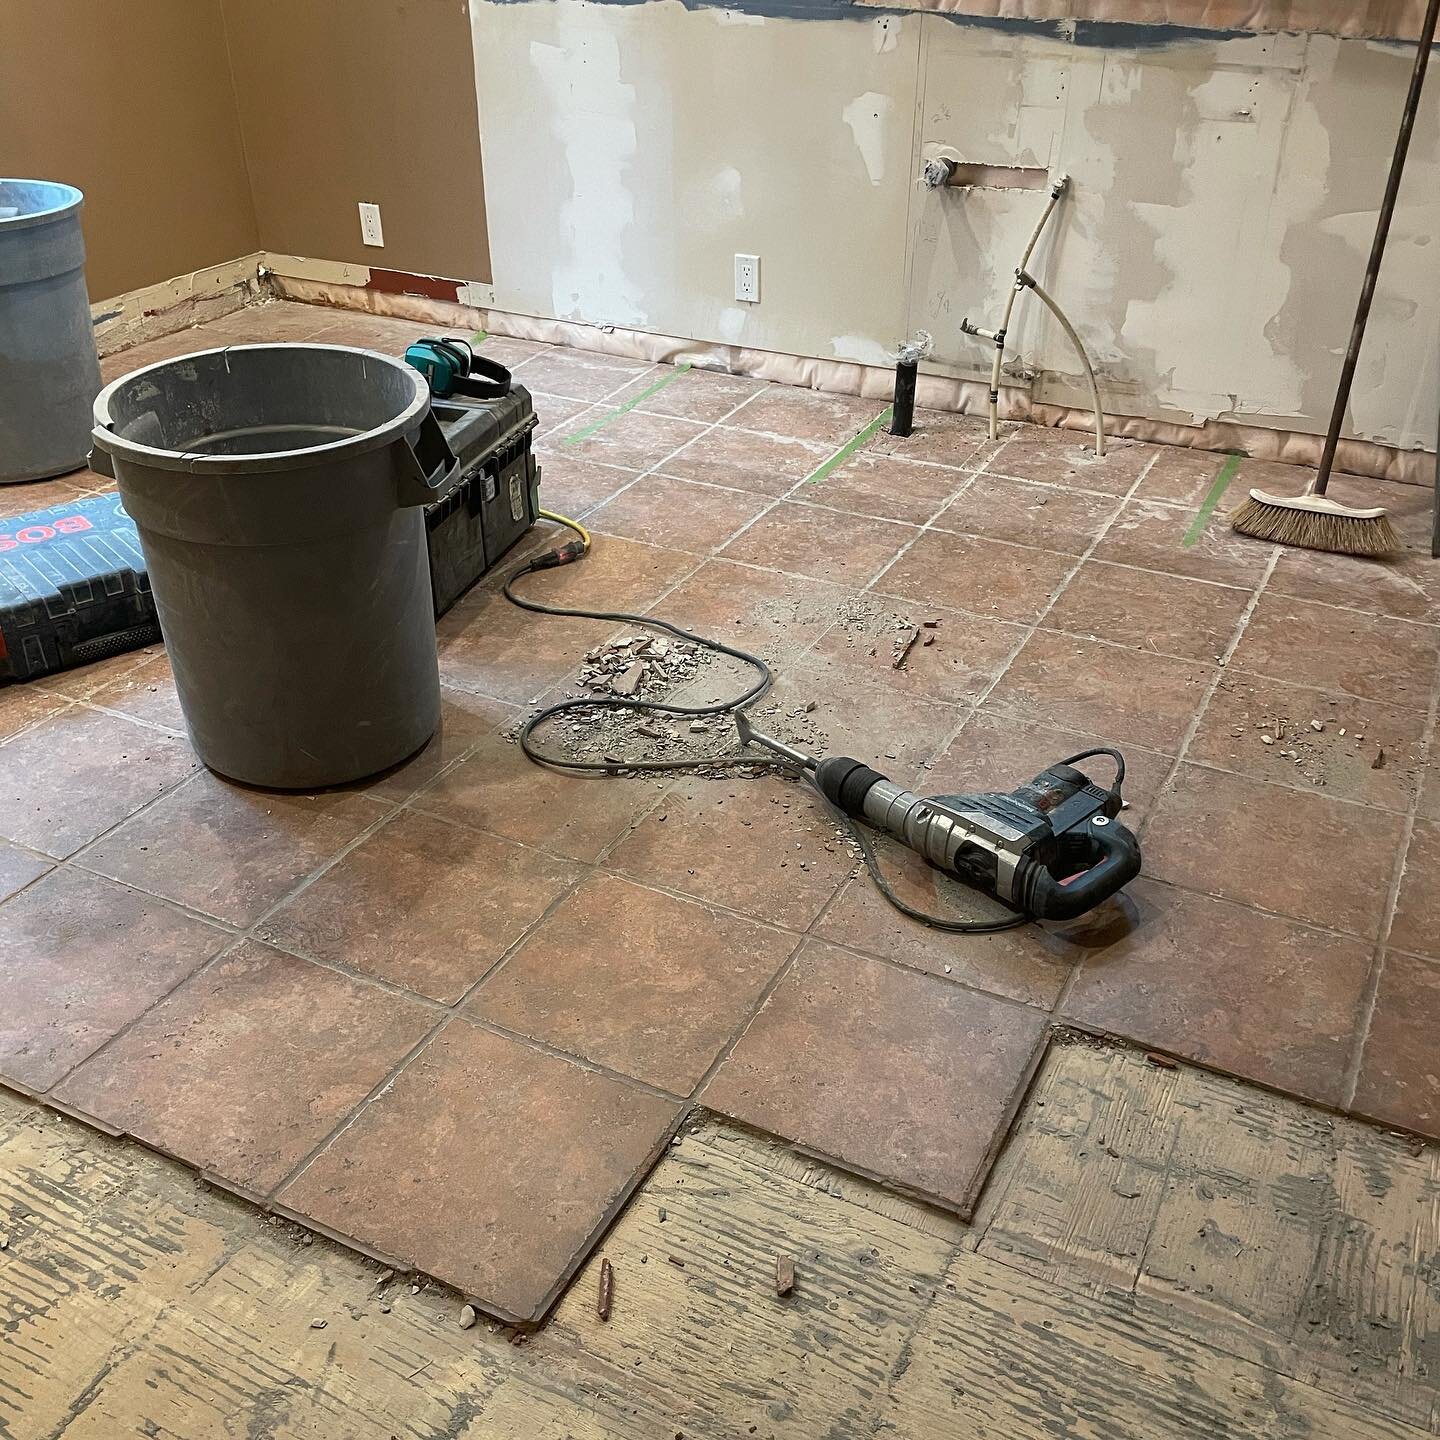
[
  {"x": 676, "y": 1261},
  {"x": 784, "y": 1275},
  {"x": 606, "y": 1298},
  {"x": 1163, "y": 1061}
]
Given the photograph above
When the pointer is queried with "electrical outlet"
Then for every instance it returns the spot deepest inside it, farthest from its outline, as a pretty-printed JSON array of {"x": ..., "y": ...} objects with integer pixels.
[
  {"x": 747, "y": 278},
  {"x": 371, "y": 231}
]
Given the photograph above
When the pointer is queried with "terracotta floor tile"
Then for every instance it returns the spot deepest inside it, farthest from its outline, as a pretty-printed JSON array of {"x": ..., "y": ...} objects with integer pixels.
[
  {"x": 998, "y": 753},
  {"x": 806, "y": 414},
  {"x": 1372, "y": 656},
  {"x": 20, "y": 499},
  {"x": 954, "y": 658},
  {"x": 1163, "y": 613},
  {"x": 80, "y": 959},
  {"x": 1153, "y": 537},
  {"x": 1296, "y": 853},
  {"x": 885, "y": 487},
  {"x": 584, "y": 375},
  {"x": 1416, "y": 926},
  {"x": 695, "y": 394},
  {"x": 823, "y": 544},
  {"x": 511, "y": 351},
  {"x": 635, "y": 980},
  {"x": 229, "y": 851},
  {"x": 557, "y": 418},
  {"x": 759, "y": 610},
  {"x": 1246, "y": 707},
  {"x": 1229, "y": 987},
  {"x": 1186, "y": 477},
  {"x": 85, "y": 681},
  {"x": 765, "y": 464},
  {"x": 677, "y": 513},
  {"x": 1067, "y": 457},
  {"x": 635, "y": 440},
  {"x": 986, "y": 577},
  {"x": 22, "y": 704},
  {"x": 1399, "y": 1081},
  {"x": 765, "y": 846},
  {"x": 940, "y": 437},
  {"x": 1406, "y": 586},
  {"x": 464, "y": 719},
  {"x": 865, "y": 715},
  {"x": 575, "y": 487},
  {"x": 247, "y": 1067},
  {"x": 276, "y": 321},
  {"x": 74, "y": 775},
  {"x": 488, "y": 646},
  {"x": 617, "y": 574},
  {"x": 18, "y": 868},
  {"x": 1123, "y": 695},
  {"x": 166, "y": 347},
  {"x": 503, "y": 1203},
  {"x": 1029, "y": 964},
  {"x": 890, "y": 1072},
  {"x": 389, "y": 334},
  {"x": 498, "y": 790},
  {"x": 146, "y": 692},
  {"x": 1027, "y": 514},
  {"x": 422, "y": 903}
]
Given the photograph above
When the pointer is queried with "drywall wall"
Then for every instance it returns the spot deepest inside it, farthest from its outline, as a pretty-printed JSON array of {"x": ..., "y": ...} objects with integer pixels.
[
  {"x": 1224, "y": 197},
  {"x": 343, "y": 101},
  {"x": 1394, "y": 19},
  {"x": 132, "y": 103}
]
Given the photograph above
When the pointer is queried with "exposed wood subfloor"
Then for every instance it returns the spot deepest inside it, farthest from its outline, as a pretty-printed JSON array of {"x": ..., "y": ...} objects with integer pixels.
[{"x": 1160, "y": 1252}]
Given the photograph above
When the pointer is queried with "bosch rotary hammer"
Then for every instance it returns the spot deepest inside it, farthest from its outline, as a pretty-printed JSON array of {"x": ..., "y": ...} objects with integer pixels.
[{"x": 1052, "y": 849}]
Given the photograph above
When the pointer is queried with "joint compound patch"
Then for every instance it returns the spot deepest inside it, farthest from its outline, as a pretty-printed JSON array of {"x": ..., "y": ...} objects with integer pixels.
[{"x": 866, "y": 115}]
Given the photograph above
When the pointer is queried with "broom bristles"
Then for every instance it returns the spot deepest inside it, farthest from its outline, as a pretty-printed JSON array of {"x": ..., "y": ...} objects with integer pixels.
[{"x": 1271, "y": 518}]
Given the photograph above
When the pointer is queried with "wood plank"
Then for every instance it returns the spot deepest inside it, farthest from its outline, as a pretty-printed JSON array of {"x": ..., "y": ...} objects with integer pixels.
[
  {"x": 715, "y": 1335},
  {"x": 1077, "y": 1192},
  {"x": 1004, "y": 1353}
]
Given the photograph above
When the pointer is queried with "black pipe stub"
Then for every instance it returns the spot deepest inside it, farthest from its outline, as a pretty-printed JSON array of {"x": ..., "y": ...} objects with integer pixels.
[{"x": 902, "y": 415}]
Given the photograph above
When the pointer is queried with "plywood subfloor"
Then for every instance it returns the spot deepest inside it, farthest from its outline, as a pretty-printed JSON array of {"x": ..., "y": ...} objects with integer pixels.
[{"x": 1159, "y": 1253}]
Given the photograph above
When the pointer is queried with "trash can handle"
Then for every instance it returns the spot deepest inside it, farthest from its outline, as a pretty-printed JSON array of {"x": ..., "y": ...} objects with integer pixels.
[{"x": 428, "y": 467}]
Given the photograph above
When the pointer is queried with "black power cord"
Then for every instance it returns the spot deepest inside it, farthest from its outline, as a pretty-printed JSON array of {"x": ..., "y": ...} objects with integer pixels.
[{"x": 576, "y": 550}]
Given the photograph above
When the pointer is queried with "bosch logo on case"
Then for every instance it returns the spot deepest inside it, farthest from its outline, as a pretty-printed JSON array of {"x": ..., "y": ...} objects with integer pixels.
[{"x": 39, "y": 534}]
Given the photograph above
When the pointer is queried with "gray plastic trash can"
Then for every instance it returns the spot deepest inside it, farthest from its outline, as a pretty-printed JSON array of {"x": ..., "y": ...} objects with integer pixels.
[
  {"x": 277, "y": 492},
  {"x": 49, "y": 372}
]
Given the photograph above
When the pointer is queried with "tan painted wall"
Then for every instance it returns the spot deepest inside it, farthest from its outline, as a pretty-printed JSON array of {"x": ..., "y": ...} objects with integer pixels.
[
  {"x": 1224, "y": 198},
  {"x": 133, "y": 103},
  {"x": 374, "y": 100}
]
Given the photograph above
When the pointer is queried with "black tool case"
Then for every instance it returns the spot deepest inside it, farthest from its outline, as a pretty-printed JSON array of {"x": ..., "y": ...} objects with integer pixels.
[
  {"x": 496, "y": 498},
  {"x": 73, "y": 584},
  {"x": 73, "y": 588}
]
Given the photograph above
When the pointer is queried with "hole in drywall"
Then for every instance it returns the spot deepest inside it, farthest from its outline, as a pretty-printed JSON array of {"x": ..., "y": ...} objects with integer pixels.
[{"x": 999, "y": 177}]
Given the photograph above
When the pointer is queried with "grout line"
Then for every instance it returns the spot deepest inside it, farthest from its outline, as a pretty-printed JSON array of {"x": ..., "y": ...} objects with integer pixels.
[
  {"x": 1371, "y": 993},
  {"x": 1193, "y": 729}
]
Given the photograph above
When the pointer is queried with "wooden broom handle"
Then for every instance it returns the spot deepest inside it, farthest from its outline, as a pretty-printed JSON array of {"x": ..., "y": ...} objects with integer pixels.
[{"x": 1377, "y": 250}]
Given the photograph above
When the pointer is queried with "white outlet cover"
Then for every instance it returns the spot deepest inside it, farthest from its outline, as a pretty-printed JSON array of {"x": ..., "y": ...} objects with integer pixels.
[
  {"x": 371, "y": 230},
  {"x": 747, "y": 278}
]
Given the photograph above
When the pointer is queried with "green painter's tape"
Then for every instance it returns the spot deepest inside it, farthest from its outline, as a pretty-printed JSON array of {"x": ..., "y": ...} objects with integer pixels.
[
  {"x": 586, "y": 431},
  {"x": 1212, "y": 500},
  {"x": 479, "y": 338},
  {"x": 849, "y": 447}
]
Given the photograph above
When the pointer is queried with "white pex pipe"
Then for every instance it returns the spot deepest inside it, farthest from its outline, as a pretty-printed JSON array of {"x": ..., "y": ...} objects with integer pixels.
[
  {"x": 1028, "y": 282},
  {"x": 1025, "y": 281}
]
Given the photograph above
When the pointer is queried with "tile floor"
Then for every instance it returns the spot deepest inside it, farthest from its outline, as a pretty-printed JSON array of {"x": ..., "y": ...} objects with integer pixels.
[{"x": 453, "y": 1014}]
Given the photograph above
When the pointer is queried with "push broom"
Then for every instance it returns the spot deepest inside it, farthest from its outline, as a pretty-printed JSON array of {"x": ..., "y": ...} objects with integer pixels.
[{"x": 1312, "y": 520}]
